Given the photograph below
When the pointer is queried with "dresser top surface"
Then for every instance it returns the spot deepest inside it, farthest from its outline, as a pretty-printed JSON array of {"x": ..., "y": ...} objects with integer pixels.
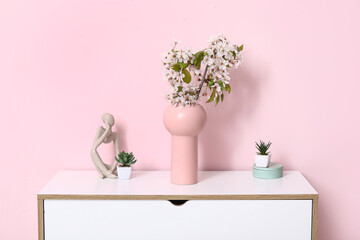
[{"x": 158, "y": 183}]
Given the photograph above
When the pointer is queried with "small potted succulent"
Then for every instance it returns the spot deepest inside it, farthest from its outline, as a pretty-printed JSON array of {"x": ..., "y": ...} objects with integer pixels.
[
  {"x": 125, "y": 161},
  {"x": 263, "y": 157}
]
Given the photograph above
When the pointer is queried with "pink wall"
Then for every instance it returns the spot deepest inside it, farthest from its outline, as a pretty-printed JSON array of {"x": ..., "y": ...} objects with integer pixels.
[{"x": 64, "y": 63}]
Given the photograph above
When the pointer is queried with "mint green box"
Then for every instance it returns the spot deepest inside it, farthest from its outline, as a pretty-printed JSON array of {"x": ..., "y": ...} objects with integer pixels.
[{"x": 275, "y": 170}]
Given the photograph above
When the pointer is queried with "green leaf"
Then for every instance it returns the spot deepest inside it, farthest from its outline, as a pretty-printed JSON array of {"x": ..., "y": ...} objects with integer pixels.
[
  {"x": 212, "y": 97},
  {"x": 217, "y": 100},
  {"x": 199, "y": 53},
  {"x": 187, "y": 77},
  {"x": 233, "y": 53},
  {"x": 222, "y": 97},
  {"x": 183, "y": 65},
  {"x": 228, "y": 88},
  {"x": 221, "y": 84},
  {"x": 176, "y": 67},
  {"x": 199, "y": 56},
  {"x": 240, "y": 48},
  {"x": 198, "y": 65}
]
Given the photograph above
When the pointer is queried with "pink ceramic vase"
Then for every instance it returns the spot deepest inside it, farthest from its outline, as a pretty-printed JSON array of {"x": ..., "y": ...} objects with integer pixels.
[{"x": 184, "y": 125}]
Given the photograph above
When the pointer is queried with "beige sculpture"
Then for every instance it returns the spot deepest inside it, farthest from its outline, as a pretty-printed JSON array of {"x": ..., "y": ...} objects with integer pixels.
[{"x": 105, "y": 135}]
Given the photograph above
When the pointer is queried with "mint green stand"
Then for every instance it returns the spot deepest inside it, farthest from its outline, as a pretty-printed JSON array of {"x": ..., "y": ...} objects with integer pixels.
[{"x": 275, "y": 170}]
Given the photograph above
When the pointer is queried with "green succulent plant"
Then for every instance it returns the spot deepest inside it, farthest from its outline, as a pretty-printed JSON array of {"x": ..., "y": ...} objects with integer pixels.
[
  {"x": 125, "y": 159},
  {"x": 263, "y": 148}
]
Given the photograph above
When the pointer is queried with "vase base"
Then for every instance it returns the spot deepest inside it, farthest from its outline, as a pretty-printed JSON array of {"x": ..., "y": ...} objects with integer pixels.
[
  {"x": 184, "y": 179},
  {"x": 177, "y": 183}
]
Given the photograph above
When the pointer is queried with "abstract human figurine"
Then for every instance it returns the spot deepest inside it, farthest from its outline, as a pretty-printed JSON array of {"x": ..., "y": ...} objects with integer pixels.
[{"x": 105, "y": 135}]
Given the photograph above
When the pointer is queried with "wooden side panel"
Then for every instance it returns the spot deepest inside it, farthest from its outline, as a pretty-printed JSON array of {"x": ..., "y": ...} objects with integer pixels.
[
  {"x": 40, "y": 206},
  {"x": 315, "y": 217}
]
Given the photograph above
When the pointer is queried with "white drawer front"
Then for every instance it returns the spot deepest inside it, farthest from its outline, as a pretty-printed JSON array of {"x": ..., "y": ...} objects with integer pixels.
[{"x": 161, "y": 220}]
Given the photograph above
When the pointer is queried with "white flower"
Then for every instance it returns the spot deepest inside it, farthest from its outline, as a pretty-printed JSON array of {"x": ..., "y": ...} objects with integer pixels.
[
  {"x": 218, "y": 76},
  {"x": 208, "y": 61},
  {"x": 214, "y": 38},
  {"x": 217, "y": 88},
  {"x": 197, "y": 72},
  {"x": 184, "y": 56},
  {"x": 209, "y": 51}
]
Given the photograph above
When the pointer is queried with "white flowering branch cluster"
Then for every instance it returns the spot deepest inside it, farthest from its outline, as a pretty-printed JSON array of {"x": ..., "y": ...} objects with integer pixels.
[{"x": 214, "y": 61}]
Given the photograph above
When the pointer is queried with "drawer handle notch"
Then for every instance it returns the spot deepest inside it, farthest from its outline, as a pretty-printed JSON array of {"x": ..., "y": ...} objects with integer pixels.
[{"x": 178, "y": 202}]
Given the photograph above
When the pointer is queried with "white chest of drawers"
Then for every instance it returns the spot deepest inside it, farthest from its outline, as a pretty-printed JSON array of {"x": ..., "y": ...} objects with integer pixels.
[{"x": 223, "y": 205}]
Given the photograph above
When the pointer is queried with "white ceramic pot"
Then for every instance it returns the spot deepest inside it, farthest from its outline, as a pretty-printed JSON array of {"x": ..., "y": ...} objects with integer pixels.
[
  {"x": 124, "y": 173},
  {"x": 262, "y": 160}
]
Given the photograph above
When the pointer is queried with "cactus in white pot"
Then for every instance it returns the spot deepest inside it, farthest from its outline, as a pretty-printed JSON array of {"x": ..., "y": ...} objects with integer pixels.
[
  {"x": 125, "y": 160},
  {"x": 262, "y": 157}
]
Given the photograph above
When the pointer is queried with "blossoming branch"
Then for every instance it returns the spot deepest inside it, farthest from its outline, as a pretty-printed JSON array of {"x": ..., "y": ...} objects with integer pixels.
[{"x": 209, "y": 67}]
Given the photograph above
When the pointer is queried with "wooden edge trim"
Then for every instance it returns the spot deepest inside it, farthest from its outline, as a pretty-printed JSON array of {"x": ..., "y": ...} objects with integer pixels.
[
  {"x": 315, "y": 217},
  {"x": 40, "y": 205},
  {"x": 180, "y": 197}
]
